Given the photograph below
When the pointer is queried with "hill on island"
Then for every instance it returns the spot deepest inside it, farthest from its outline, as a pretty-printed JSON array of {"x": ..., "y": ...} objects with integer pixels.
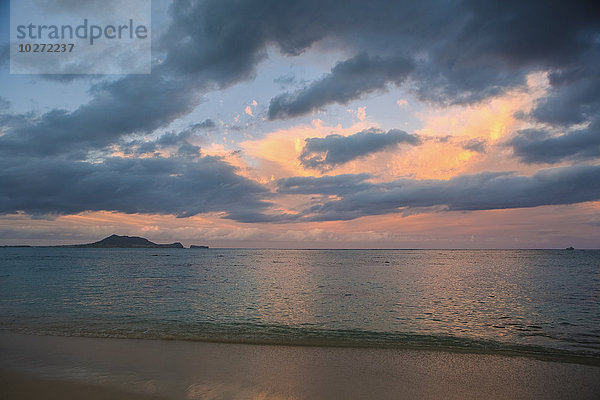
[{"x": 116, "y": 241}]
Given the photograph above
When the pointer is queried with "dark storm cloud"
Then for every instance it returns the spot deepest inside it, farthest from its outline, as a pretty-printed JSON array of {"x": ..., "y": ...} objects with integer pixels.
[
  {"x": 175, "y": 185},
  {"x": 209, "y": 45},
  {"x": 464, "y": 51},
  {"x": 451, "y": 51},
  {"x": 570, "y": 115},
  {"x": 446, "y": 51},
  {"x": 347, "y": 81},
  {"x": 225, "y": 40},
  {"x": 484, "y": 191},
  {"x": 206, "y": 124},
  {"x": 172, "y": 138},
  {"x": 515, "y": 34},
  {"x": 333, "y": 150},
  {"x": 135, "y": 104},
  {"x": 169, "y": 139},
  {"x": 326, "y": 185},
  {"x": 488, "y": 47},
  {"x": 574, "y": 97},
  {"x": 477, "y": 145},
  {"x": 188, "y": 150},
  {"x": 539, "y": 146}
]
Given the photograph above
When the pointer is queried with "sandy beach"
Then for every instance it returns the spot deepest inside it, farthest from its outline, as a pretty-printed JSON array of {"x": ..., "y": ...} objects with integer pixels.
[
  {"x": 34, "y": 367},
  {"x": 23, "y": 386}
]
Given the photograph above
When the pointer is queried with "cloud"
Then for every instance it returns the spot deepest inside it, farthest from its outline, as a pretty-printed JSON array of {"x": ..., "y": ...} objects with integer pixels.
[
  {"x": 477, "y": 145},
  {"x": 361, "y": 113},
  {"x": 488, "y": 48},
  {"x": 174, "y": 185},
  {"x": 287, "y": 80},
  {"x": 540, "y": 146},
  {"x": 574, "y": 97},
  {"x": 196, "y": 60},
  {"x": 199, "y": 57},
  {"x": 206, "y": 124},
  {"x": 325, "y": 185},
  {"x": 333, "y": 150},
  {"x": 135, "y": 104},
  {"x": 347, "y": 81},
  {"x": 567, "y": 120},
  {"x": 170, "y": 139},
  {"x": 214, "y": 44},
  {"x": 485, "y": 49},
  {"x": 566, "y": 123},
  {"x": 483, "y": 191},
  {"x": 4, "y": 104}
]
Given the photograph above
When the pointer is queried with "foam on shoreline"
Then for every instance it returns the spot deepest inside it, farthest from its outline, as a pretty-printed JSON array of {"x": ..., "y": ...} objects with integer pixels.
[{"x": 190, "y": 370}]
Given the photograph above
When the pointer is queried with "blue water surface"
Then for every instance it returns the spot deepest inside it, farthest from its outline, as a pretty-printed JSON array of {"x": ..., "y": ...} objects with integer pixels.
[{"x": 518, "y": 300}]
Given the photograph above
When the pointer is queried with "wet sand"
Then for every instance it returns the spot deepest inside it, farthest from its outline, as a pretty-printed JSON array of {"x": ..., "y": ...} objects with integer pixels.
[
  {"x": 23, "y": 386},
  {"x": 46, "y": 367}
]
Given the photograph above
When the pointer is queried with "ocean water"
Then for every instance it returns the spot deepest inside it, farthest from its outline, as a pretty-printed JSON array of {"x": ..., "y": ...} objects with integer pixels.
[{"x": 529, "y": 302}]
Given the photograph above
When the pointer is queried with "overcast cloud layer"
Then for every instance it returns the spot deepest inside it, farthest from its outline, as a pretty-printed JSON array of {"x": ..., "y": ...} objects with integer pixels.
[
  {"x": 484, "y": 191},
  {"x": 150, "y": 185},
  {"x": 444, "y": 53}
]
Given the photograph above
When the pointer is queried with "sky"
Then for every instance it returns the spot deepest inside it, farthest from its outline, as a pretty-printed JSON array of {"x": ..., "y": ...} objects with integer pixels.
[{"x": 318, "y": 124}]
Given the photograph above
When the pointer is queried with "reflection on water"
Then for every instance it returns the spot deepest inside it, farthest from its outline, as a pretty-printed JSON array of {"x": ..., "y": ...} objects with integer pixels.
[{"x": 520, "y": 297}]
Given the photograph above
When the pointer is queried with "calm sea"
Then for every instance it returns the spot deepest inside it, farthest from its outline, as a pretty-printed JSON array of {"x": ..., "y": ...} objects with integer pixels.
[{"x": 535, "y": 302}]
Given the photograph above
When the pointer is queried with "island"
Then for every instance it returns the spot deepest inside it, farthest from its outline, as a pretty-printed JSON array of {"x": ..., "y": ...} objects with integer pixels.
[
  {"x": 120, "y": 242},
  {"x": 128, "y": 242}
]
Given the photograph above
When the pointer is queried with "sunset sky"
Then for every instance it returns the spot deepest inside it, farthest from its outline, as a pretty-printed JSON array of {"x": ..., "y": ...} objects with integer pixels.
[{"x": 311, "y": 124}]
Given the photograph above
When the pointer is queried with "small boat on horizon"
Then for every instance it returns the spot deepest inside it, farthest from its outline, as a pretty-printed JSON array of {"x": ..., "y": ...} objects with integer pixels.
[{"x": 570, "y": 248}]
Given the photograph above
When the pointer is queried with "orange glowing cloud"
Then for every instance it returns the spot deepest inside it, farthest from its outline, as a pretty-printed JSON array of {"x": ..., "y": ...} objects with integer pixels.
[
  {"x": 276, "y": 155},
  {"x": 447, "y": 130},
  {"x": 491, "y": 119},
  {"x": 445, "y": 150}
]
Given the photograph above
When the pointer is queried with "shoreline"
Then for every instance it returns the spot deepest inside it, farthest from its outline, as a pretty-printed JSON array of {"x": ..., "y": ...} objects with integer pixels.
[
  {"x": 173, "y": 369},
  {"x": 476, "y": 347}
]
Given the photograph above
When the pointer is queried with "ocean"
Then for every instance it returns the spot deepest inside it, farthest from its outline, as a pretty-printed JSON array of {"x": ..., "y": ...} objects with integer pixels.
[{"x": 538, "y": 303}]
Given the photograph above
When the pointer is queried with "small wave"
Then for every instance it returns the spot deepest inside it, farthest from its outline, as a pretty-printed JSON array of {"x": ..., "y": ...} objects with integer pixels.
[{"x": 308, "y": 336}]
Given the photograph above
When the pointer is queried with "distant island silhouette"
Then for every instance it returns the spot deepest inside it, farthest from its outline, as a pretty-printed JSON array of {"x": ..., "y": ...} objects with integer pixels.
[
  {"x": 121, "y": 242},
  {"x": 129, "y": 242}
]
